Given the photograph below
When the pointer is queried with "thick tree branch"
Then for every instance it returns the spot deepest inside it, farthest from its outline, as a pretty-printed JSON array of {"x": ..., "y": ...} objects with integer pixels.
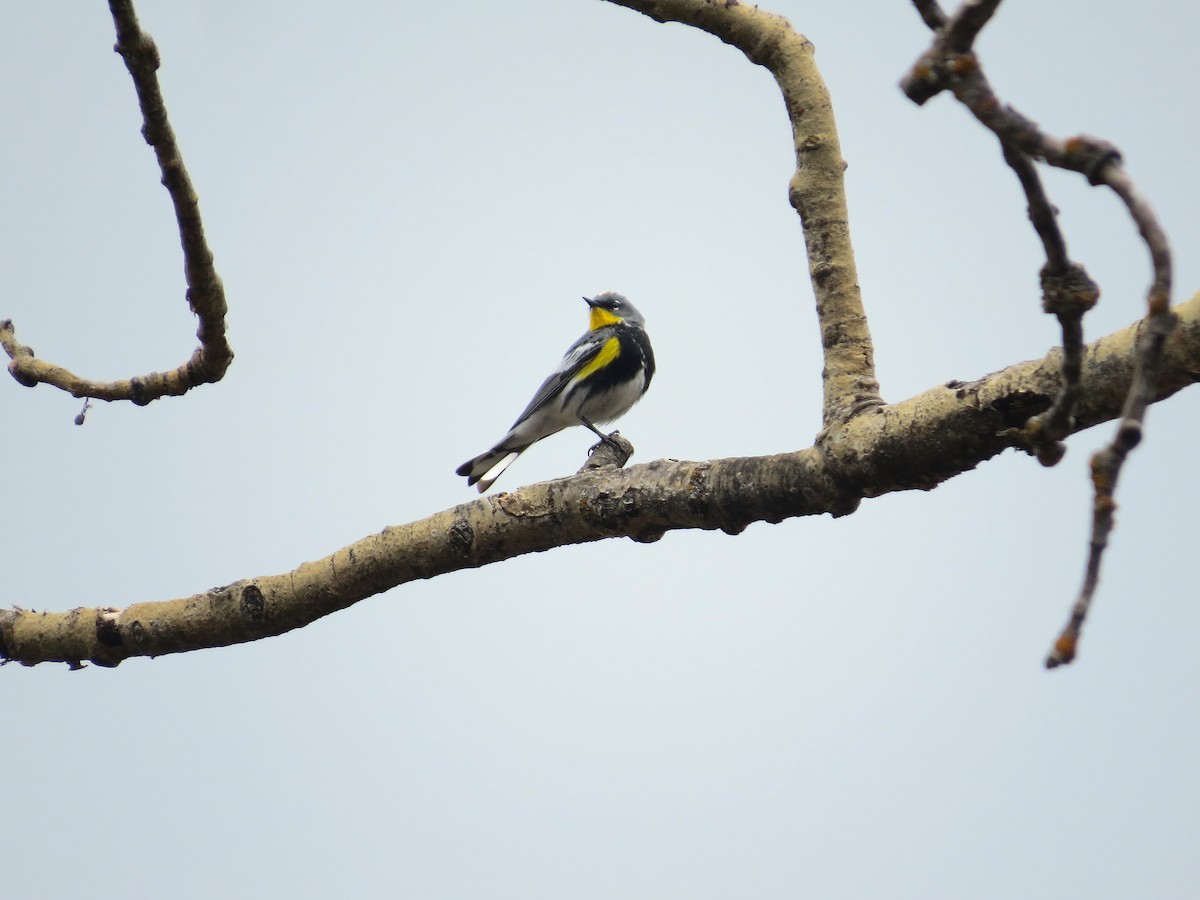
[
  {"x": 916, "y": 444},
  {"x": 205, "y": 293},
  {"x": 817, "y": 189}
]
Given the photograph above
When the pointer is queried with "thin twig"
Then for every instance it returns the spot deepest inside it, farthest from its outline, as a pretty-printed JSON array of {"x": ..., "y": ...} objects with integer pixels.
[
  {"x": 1107, "y": 462},
  {"x": 964, "y": 26},
  {"x": 1042, "y": 213},
  {"x": 817, "y": 189},
  {"x": 1067, "y": 290},
  {"x": 931, "y": 13},
  {"x": 205, "y": 294}
]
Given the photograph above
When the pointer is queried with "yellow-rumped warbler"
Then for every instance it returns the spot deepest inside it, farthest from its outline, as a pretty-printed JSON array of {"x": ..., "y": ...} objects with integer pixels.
[{"x": 601, "y": 376}]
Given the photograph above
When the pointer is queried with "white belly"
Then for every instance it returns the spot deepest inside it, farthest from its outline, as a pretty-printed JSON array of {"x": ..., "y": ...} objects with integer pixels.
[{"x": 610, "y": 405}]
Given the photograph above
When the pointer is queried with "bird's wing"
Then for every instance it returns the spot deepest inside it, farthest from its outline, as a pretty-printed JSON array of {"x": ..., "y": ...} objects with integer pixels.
[{"x": 582, "y": 352}]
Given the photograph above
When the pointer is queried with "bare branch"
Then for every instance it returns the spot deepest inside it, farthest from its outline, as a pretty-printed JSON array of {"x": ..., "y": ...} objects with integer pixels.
[
  {"x": 205, "y": 293},
  {"x": 931, "y": 13},
  {"x": 1068, "y": 295},
  {"x": 964, "y": 26},
  {"x": 1069, "y": 292},
  {"x": 1156, "y": 330},
  {"x": 916, "y": 444},
  {"x": 1042, "y": 213},
  {"x": 817, "y": 189}
]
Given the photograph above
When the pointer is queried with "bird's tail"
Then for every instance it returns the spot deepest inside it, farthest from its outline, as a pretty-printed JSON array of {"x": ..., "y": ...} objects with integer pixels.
[{"x": 487, "y": 467}]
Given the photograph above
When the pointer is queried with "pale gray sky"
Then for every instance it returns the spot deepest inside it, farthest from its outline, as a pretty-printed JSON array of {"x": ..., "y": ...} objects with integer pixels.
[{"x": 406, "y": 202}]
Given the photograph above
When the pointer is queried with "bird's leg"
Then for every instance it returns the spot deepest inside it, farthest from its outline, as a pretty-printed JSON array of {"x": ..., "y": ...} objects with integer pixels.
[
  {"x": 598, "y": 433},
  {"x": 613, "y": 449}
]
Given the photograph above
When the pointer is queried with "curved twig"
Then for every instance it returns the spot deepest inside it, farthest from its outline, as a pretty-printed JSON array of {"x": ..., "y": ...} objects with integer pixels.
[
  {"x": 817, "y": 188},
  {"x": 1106, "y": 463},
  {"x": 205, "y": 293}
]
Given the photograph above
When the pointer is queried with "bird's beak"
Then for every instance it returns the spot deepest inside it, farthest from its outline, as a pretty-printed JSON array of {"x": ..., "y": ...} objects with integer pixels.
[{"x": 590, "y": 302}]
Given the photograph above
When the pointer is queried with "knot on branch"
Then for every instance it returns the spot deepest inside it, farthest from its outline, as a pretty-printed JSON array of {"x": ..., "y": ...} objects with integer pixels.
[
  {"x": 936, "y": 71},
  {"x": 1089, "y": 156},
  {"x": 138, "y": 393},
  {"x": 139, "y": 52},
  {"x": 18, "y": 353},
  {"x": 1068, "y": 293},
  {"x": 1039, "y": 438},
  {"x": 613, "y": 451}
]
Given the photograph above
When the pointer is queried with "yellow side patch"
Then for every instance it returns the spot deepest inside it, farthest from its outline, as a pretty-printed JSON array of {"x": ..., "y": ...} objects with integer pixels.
[
  {"x": 602, "y": 317},
  {"x": 610, "y": 351}
]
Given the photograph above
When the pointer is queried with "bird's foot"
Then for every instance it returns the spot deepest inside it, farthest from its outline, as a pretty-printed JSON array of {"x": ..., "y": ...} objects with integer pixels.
[{"x": 610, "y": 450}]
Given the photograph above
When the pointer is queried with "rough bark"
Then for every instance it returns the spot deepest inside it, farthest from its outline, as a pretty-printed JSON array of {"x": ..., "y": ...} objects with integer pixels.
[{"x": 916, "y": 444}]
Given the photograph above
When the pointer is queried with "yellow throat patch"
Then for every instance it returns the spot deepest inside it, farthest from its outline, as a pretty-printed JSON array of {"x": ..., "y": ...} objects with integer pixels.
[{"x": 602, "y": 317}]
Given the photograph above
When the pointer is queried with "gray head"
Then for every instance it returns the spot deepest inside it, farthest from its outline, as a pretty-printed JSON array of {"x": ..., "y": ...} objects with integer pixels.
[{"x": 610, "y": 308}]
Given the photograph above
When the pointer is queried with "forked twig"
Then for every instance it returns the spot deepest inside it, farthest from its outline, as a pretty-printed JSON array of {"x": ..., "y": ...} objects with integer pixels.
[{"x": 1068, "y": 292}]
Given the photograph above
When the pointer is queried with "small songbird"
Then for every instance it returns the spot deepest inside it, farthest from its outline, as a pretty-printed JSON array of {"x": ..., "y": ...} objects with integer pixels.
[{"x": 601, "y": 376}]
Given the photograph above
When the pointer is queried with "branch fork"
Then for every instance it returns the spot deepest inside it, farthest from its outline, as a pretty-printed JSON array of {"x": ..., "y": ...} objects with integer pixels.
[{"x": 1067, "y": 290}]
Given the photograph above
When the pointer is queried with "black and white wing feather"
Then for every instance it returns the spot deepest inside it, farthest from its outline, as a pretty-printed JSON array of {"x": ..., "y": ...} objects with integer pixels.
[{"x": 582, "y": 352}]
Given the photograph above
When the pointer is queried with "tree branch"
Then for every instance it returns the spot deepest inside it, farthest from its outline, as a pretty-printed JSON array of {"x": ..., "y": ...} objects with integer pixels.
[
  {"x": 817, "y": 189},
  {"x": 205, "y": 293},
  {"x": 1068, "y": 292},
  {"x": 916, "y": 444},
  {"x": 950, "y": 63}
]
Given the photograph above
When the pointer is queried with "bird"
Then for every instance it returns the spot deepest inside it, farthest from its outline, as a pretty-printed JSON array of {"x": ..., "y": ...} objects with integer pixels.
[{"x": 599, "y": 378}]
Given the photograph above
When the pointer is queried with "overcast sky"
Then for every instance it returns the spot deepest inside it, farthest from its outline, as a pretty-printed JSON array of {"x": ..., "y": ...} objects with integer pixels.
[{"x": 406, "y": 202}]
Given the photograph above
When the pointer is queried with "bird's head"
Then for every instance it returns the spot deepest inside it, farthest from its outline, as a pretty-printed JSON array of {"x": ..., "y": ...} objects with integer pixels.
[{"x": 611, "y": 308}]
